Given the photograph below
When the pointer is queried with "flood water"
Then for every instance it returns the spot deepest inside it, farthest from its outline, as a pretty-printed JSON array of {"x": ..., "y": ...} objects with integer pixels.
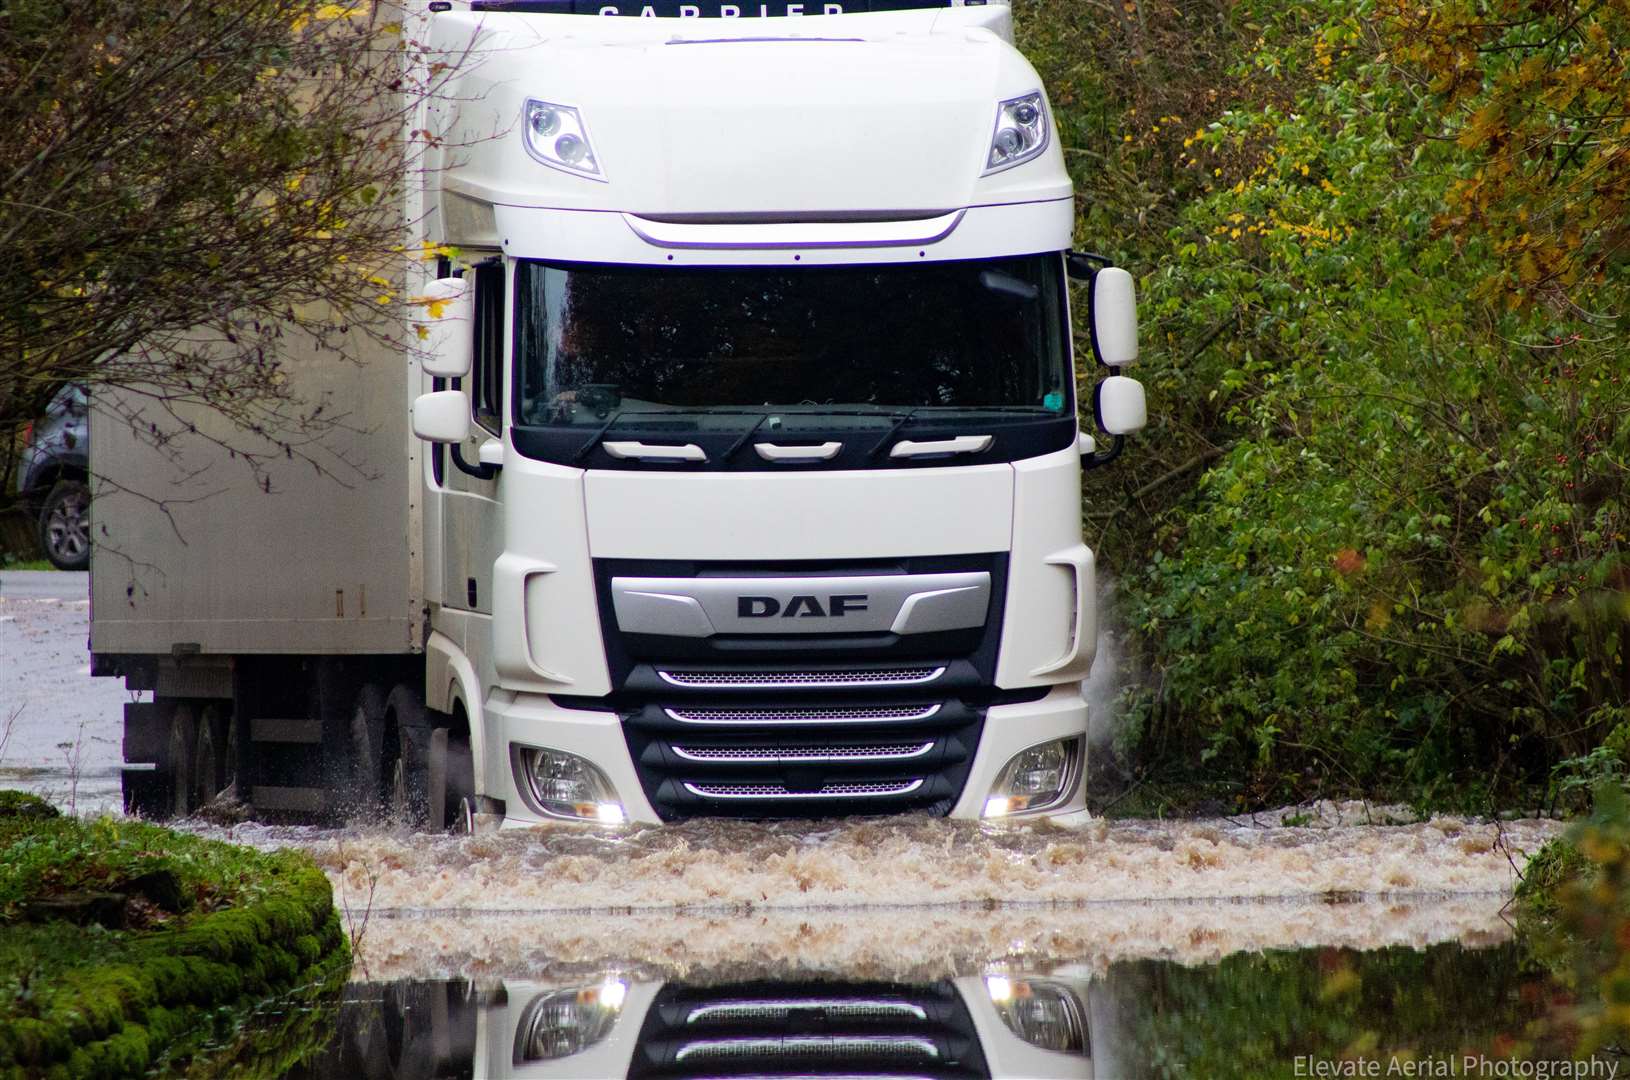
[{"x": 1242, "y": 947}]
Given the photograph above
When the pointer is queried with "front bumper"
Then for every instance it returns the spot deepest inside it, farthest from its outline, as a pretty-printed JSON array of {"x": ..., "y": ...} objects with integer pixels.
[{"x": 523, "y": 720}]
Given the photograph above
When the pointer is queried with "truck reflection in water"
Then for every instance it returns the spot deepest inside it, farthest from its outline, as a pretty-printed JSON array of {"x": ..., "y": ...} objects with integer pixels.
[{"x": 615, "y": 1026}]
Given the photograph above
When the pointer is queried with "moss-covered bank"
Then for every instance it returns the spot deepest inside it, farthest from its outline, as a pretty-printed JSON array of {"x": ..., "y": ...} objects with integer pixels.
[{"x": 124, "y": 946}]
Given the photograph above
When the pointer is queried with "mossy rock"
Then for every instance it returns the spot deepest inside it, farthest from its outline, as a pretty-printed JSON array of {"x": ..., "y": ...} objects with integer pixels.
[{"x": 105, "y": 1001}]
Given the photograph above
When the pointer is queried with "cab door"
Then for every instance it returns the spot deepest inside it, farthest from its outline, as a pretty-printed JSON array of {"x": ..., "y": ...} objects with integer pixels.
[{"x": 472, "y": 529}]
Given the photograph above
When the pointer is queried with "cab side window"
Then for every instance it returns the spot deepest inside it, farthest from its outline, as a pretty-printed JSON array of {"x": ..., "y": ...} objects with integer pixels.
[{"x": 487, "y": 374}]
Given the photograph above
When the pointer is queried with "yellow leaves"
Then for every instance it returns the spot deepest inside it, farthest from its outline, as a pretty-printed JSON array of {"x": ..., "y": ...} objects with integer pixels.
[
  {"x": 429, "y": 251},
  {"x": 1379, "y": 617},
  {"x": 327, "y": 13},
  {"x": 1484, "y": 123}
]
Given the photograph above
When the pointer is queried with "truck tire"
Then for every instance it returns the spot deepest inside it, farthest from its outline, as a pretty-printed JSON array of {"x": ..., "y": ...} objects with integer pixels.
[
  {"x": 65, "y": 525},
  {"x": 206, "y": 765},
  {"x": 216, "y": 757},
  {"x": 180, "y": 763},
  {"x": 408, "y": 754},
  {"x": 145, "y": 793}
]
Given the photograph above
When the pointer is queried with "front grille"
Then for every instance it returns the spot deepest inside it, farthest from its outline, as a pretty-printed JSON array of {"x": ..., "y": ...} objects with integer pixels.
[
  {"x": 802, "y": 760},
  {"x": 769, "y": 755},
  {"x": 751, "y": 722},
  {"x": 863, "y": 714},
  {"x": 800, "y": 680},
  {"x": 852, "y": 790},
  {"x": 809, "y": 1030}
]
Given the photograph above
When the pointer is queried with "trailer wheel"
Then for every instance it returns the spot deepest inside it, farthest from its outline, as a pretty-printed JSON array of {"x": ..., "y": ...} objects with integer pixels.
[
  {"x": 407, "y": 718},
  {"x": 206, "y": 765},
  {"x": 368, "y": 764},
  {"x": 214, "y": 759},
  {"x": 144, "y": 793},
  {"x": 183, "y": 744}
]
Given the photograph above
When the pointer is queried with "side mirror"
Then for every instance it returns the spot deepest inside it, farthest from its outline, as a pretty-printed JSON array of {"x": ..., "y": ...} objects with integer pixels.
[
  {"x": 1113, "y": 313},
  {"x": 449, "y": 349},
  {"x": 1119, "y": 405},
  {"x": 442, "y": 417}
]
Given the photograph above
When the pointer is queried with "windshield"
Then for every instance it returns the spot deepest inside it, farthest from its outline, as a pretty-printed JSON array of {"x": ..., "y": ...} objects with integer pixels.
[{"x": 852, "y": 346}]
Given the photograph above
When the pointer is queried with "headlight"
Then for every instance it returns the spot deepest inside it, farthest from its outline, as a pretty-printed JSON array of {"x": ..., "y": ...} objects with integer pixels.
[
  {"x": 555, "y": 135},
  {"x": 566, "y": 1022},
  {"x": 1042, "y": 1013},
  {"x": 1021, "y": 132},
  {"x": 1037, "y": 778},
  {"x": 566, "y": 786}
]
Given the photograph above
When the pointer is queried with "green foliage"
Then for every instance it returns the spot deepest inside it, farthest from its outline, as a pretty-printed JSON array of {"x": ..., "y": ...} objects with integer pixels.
[
  {"x": 1374, "y": 541},
  {"x": 1252, "y": 1015},
  {"x": 93, "y": 1000}
]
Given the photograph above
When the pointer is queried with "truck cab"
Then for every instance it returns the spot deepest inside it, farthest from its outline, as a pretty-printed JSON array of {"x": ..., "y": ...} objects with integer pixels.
[{"x": 747, "y": 373}]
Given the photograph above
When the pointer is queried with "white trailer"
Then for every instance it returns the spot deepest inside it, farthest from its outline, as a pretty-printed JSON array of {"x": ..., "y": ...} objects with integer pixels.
[{"x": 743, "y": 475}]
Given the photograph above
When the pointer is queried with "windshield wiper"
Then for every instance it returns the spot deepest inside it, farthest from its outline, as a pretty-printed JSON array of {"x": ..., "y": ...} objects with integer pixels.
[
  {"x": 900, "y": 421},
  {"x": 741, "y": 442},
  {"x": 594, "y": 440}
]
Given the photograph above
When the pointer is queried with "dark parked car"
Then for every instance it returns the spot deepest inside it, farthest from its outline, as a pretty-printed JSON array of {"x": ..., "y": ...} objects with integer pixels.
[{"x": 55, "y": 479}]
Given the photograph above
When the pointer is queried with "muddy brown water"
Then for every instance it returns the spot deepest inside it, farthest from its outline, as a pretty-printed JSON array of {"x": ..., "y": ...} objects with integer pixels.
[{"x": 923, "y": 947}]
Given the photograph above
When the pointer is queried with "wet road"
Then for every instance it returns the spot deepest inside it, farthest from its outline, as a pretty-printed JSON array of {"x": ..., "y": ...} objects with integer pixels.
[{"x": 61, "y": 729}]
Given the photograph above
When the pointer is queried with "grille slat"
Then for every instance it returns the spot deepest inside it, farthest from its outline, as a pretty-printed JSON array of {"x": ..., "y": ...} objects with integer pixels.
[
  {"x": 846, "y": 790},
  {"x": 762, "y": 1010},
  {"x": 860, "y": 714},
  {"x": 807, "y": 1047},
  {"x": 803, "y": 680},
  {"x": 772, "y": 755}
]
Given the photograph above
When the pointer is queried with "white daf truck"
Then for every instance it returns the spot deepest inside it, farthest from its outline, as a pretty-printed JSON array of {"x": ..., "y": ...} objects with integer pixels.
[{"x": 739, "y": 472}]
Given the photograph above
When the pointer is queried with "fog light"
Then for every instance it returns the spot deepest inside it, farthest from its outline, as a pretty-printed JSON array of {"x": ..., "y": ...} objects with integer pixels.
[
  {"x": 1044, "y": 1014},
  {"x": 1037, "y": 778},
  {"x": 567, "y": 786}
]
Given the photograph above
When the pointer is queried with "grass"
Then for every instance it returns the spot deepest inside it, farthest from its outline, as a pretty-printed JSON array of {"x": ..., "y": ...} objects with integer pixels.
[{"x": 26, "y": 564}]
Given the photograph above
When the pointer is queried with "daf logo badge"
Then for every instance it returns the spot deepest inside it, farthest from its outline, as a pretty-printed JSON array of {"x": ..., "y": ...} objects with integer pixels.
[{"x": 800, "y": 607}]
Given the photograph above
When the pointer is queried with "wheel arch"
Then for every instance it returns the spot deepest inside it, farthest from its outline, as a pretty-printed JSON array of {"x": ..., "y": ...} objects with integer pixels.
[{"x": 450, "y": 685}]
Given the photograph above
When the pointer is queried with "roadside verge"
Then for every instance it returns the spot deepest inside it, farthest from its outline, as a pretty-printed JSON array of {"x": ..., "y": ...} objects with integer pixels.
[{"x": 124, "y": 945}]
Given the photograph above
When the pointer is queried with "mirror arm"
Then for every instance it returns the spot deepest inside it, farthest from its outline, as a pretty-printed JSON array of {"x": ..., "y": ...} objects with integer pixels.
[
  {"x": 1081, "y": 265},
  {"x": 480, "y": 472},
  {"x": 1099, "y": 460}
]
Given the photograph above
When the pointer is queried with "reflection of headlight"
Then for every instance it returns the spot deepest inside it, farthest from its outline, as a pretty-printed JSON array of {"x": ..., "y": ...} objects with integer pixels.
[
  {"x": 566, "y": 1022},
  {"x": 1044, "y": 1014}
]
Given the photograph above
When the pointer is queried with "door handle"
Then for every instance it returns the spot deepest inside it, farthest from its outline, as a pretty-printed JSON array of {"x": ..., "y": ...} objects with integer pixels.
[
  {"x": 962, "y": 444},
  {"x": 774, "y": 452},
  {"x": 647, "y": 452}
]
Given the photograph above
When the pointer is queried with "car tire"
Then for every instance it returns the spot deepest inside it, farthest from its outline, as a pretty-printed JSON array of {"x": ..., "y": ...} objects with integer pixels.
[{"x": 65, "y": 525}]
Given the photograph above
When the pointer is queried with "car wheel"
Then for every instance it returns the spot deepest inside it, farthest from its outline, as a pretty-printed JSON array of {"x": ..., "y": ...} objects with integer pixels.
[{"x": 65, "y": 525}]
